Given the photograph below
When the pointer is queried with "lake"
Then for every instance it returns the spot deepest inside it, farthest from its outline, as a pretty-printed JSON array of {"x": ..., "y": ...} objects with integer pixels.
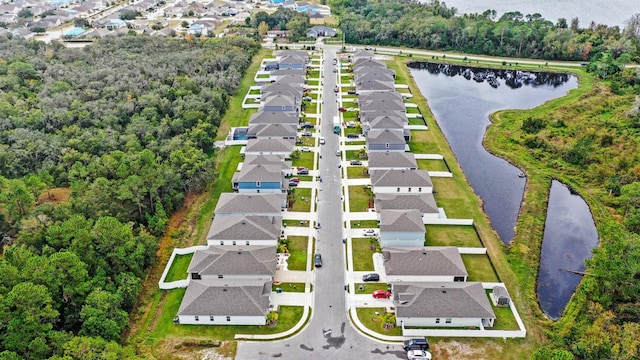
[
  {"x": 569, "y": 236},
  {"x": 462, "y": 107},
  {"x": 611, "y": 12}
]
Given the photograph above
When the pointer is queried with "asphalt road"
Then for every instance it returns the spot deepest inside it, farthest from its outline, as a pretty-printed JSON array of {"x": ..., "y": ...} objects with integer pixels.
[{"x": 329, "y": 334}]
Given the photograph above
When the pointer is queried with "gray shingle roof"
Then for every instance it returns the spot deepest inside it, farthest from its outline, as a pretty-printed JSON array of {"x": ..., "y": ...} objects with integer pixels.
[
  {"x": 375, "y": 96},
  {"x": 235, "y": 203},
  {"x": 272, "y": 130},
  {"x": 265, "y": 160},
  {"x": 423, "y": 202},
  {"x": 297, "y": 53},
  {"x": 366, "y": 61},
  {"x": 277, "y": 73},
  {"x": 363, "y": 54},
  {"x": 234, "y": 260},
  {"x": 368, "y": 115},
  {"x": 446, "y": 300},
  {"x": 401, "y": 221},
  {"x": 401, "y": 178},
  {"x": 280, "y": 100},
  {"x": 291, "y": 79},
  {"x": 270, "y": 145},
  {"x": 388, "y": 122},
  {"x": 427, "y": 261},
  {"x": 245, "y": 228},
  {"x": 259, "y": 172},
  {"x": 382, "y": 104},
  {"x": 377, "y": 85},
  {"x": 385, "y": 136},
  {"x": 280, "y": 88},
  {"x": 221, "y": 298},
  {"x": 364, "y": 69},
  {"x": 274, "y": 117},
  {"x": 392, "y": 159}
]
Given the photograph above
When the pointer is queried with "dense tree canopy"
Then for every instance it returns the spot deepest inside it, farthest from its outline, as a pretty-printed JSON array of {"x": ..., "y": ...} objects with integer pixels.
[{"x": 127, "y": 127}]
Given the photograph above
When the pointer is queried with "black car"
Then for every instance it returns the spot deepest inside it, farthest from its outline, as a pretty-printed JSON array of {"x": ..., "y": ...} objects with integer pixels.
[
  {"x": 352, "y": 92},
  {"x": 416, "y": 344},
  {"x": 317, "y": 260},
  {"x": 370, "y": 277},
  {"x": 355, "y": 162},
  {"x": 353, "y": 136}
]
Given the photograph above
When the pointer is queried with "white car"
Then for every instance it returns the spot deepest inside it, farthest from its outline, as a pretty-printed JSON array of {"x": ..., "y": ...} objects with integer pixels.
[
  {"x": 322, "y": 140},
  {"x": 369, "y": 232},
  {"x": 305, "y": 149},
  {"x": 418, "y": 354}
]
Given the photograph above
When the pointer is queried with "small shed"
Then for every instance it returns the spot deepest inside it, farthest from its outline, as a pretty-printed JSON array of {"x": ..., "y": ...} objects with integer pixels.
[{"x": 500, "y": 296}]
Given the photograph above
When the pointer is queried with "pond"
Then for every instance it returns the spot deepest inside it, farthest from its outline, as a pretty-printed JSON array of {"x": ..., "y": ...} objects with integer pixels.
[
  {"x": 462, "y": 99},
  {"x": 569, "y": 236}
]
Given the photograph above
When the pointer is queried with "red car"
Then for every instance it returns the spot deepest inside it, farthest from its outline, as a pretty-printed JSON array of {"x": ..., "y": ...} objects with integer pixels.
[
  {"x": 342, "y": 109},
  {"x": 381, "y": 294},
  {"x": 295, "y": 180}
]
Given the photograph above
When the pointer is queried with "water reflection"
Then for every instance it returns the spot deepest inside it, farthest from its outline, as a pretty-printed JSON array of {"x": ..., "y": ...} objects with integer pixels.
[
  {"x": 462, "y": 107},
  {"x": 569, "y": 236}
]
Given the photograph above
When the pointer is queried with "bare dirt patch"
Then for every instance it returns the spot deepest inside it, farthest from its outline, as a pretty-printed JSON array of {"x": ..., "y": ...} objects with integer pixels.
[
  {"x": 55, "y": 195},
  {"x": 452, "y": 349}
]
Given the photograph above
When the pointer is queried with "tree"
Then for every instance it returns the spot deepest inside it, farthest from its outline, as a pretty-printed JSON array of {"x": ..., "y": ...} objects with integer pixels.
[
  {"x": 25, "y": 13},
  {"x": 129, "y": 15},
  {"x": 81, "y": 23},
  {"x": 263, "y": 28},
  {"x": 102, "y": 317},
  {"x": 83, "y": 347}
]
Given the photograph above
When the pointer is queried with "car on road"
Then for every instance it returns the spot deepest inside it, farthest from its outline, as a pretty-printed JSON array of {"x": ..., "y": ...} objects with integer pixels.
[
  {"x": 317, "y": 260},
  {"x": 338, "y": 153},
  {"x": 368, "y": 48},
  {"x": 334, "y": 62},
  {"x": 416, "y": 344},
  {"x": 305, "y": 149},
  {"x": 381, "y": 294},
  {"x": 368, "y": 232},
  {"x": 322, "y": 140},
  {"x": 355, "y": 162},
  {"x": 335, "y": 70},
  {"x": 418, "y": 355},
  {"x": 370, "y": 277},
  {"x": 336, "y": 89}
]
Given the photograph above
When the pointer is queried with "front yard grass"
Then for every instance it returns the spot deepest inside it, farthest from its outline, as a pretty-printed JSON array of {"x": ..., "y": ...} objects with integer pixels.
[
  {"x": 358, "y": 198},
  {"x": 357, "y": 172},
  {"x": 374, "y": 319},
  {"x": 289, "y": 287},
  {"x": 479, "y": 268},
  {"x": 363, "y": 254},
  {"x": 178, "y": 269},
  {"x": 355, "y": 155},
  {"x": 364, "y": 224},
  {"x": 422, "y": 142},
  {"x": 297, "y": 259},
  {"x": 301, "y": 199},
  {"x": 369, "y": 287},
  {"x": 452, "y": 235},
  {"x": 305, "y": 159}
]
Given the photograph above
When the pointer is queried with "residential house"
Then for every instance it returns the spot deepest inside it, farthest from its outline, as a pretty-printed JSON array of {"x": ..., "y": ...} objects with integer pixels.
[
  {"x": 367, "y": 61},
  {"x": 220, "y": 302},
  {"x": 385, "y": 140},
  {"x": 431, "y": 263},
  {"x": 425, "y": 203},
  {"x": 392, "y": 160},
  {"x": 362, "y": 54},
  {"x": 401, "y": 181},
  {"x": 280, "y": 88},
  {"x": 320, "y": 30},
  {"x": 370, "y": 85},
  {"x": 301, "y": 54},
  {"x": 363, "y": 70},
  {"x": 272, "y": 131},
  {"x": 383, "y": 119},
  {"x": 401, "y": 228},
  {"x": 292, "y": 62},
  {"x": 260, "y": 178},
  {"x": 445, "y": 304},
  {"x": 274, "y": 117},
  {"x": 245, "y": 230},
  {"x": 278, "y": 160},
  {"x": 284, "y": 103},
  {"x": 233, "y": 263},
  {"x": 250, "y": 204}
]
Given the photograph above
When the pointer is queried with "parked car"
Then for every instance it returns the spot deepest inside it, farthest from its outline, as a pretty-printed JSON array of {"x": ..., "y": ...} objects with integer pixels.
[
  {"x": 336, "y": 89},
  {"x": 308, "y": 98},
  {"x": 351, "y": 124},
  {"x": 418, "y": 354},
  {"x": 342, "y": 109},
  {"x": 381, "y": 294},
  {"x": 317, "y": 260},
  {"x": 370, "y": 277},
  {"x": 352, "y": 92},
  {"x": 322, "y": 140},
  {"x": 305, "y": 149},
  {"x": 335, "y": 70},
  {"x": 308, "y": 125},
  {"x": 368, "y": 48},
  {"x": 335, "y": 61},
  {"x": 296, "y": 180},
  {"x": 293, "y": 184},
  {"x": 416, "y": 344},
  {"x": 306, "y": 133},
  {"x": 301, "y": 168},
  {"x": 355, "y": 162},
  {"x": 338, "y": 153},
  {"x": 303, "y": 172},
  {"x": 368, "y": 232},
  {"x": 353, "y": 136}
]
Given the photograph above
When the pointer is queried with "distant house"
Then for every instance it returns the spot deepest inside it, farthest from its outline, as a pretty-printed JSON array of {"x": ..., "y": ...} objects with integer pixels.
[
  {"x": 220, "y": 302},
  {"x": 385, "y": 140},
  {"x": 401, "y": 181},
  {"x": 401, "y": 228},
  {"x": 260, "y": 178},
  {"x": 241, "y": 230},
  {"x": 442, "y": 304},
  {"x": 320, "y": 30},
  {"x": 362, "y": 54},
  {"x": 431, "y": 264},
  {"x": 425, "y": 203},
  {"x": 114, "y": 24},
  {"x": 392, "y": 160},
  {"x": 250, "y": 204},
  {"x": 370, "y": 85},
  {"x": 233, "y": 263}
]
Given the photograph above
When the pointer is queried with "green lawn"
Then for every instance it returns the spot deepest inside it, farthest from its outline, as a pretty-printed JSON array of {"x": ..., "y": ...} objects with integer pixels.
[
  {"x": 355, "y": 155},
  {"x": 362, "y": 254},
  {"x": 374, "y": 319},
  {"x": 452, "y": 235},
  {"x": 369, "y": 287},
  {"x": 289, "y": 287},
  {"x": 313, "y": 82},
  {"x": 358, "y": 199},
  {"x": 479, "y": 268},
  {"x": 432, "y": 165},
  {"x": 165, "y": 328},
  {"x": 455, "y": 208},
  {"x": 301, "y": 199},
  {"x": 413, "y": 110},
  {"x": 364, "y": 224},
  {"x": 348, "y": 115},
  {"x": 504, "y": 319},
  {"x": 422, "y": 143},
  {"x": 178, "y": 269},
  {"x": 302, "y": 223},
  {"x": 297, "y": 253},
  {"x": 305, "y": 159},
  {"x": 416, "y": 121},
  {"x": 357, "y": 172}
]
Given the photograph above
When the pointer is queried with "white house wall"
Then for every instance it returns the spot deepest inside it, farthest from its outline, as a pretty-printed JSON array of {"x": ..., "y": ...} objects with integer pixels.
[
  {"x": 403, "y": 190},
  {"x": 273, "y": 242},
  {"x": 419, "y": 278},
  {"x": 431, "y": 322},
  {"x": 222, "y": 320},
  {"x": 260, "y": 191},
  {"x": 232, "y": 278}
]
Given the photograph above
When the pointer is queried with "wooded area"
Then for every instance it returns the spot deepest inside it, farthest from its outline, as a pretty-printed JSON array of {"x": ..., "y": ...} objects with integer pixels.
[
  {"x": 435, "y": 26},
  {"x": 127, "y": 124}
]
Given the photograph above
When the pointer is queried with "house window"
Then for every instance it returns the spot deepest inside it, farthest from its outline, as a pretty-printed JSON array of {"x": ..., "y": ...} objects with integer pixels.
[
  {"x": 197, "y": 318},
  {"x": 258, "y": 191},
  {"x": 257, "y": 183},
  {"x": 195, "y": 276},
  {"x": 284, "y": 108},
  {"x": 458, "y": 278},
  {"x": 437, "y": 320},
  {"x": 233, "y": 243},
  {"x": 398, "y": 189},
  {"x": 220, "y": 276},
  {"x": 419, "y": 189},
  {"x": 221, "y": 242},
  {"x": 409, "y": 189},
  {"x": 211, "y": 318},
  {"x": 228, "y": 318},
  {"x": 447, "y": 321},
  {"x": 386, "y": 146},
  {"x": 247, "y": 242}
]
